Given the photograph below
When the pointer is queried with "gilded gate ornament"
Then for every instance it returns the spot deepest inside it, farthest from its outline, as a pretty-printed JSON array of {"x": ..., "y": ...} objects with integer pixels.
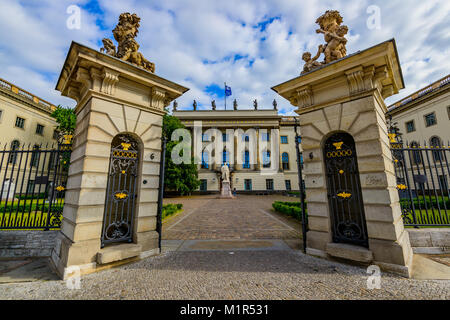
[
  {"x": 128, "y": 49},
  {"x": 334, "y": 36}
]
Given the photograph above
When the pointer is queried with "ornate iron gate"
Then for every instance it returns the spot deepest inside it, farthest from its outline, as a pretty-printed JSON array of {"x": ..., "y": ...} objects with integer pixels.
[
  {"x": 344, "y": 190},
  {"x": 121, "y": 194}
]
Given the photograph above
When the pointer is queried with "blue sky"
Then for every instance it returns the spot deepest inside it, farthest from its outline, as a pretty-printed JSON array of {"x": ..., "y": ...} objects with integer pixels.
[{"x": 250, "y": 45}]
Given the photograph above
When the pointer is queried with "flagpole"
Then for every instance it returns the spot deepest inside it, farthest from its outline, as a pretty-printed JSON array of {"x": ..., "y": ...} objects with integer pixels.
[{"x": 225, "y": 95}]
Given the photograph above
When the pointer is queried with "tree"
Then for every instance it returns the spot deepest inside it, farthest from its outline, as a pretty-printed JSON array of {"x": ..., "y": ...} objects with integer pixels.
[
  {"x": 182, "y": 178},
  {"x": 66, "y": 119}
]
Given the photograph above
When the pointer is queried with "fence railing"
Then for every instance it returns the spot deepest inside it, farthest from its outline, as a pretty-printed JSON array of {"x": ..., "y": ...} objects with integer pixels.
[
  {"x": 422, "y": 174},
  {"x": 32, "y": 186}
]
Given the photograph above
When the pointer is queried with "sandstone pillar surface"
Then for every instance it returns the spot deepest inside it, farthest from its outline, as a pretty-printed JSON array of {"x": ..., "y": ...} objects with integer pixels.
[
  {"x": 348, "y": 96},
  {"x": 113, "y": 97}
]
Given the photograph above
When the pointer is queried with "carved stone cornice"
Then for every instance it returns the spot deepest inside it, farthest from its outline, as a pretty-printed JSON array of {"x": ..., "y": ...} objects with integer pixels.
[
  {"x": 355, "y": 79},
  {"x": 158, "y": 99},
  {"x": 110, "y": 80},
  {"x": 305, "y": 97}
]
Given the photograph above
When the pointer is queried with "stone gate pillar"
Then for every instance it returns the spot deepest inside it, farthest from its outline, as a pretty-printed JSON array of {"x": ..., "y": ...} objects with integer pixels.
[
  {"x": 348, "y": 96},
  {"x": 113, "y": 98}
]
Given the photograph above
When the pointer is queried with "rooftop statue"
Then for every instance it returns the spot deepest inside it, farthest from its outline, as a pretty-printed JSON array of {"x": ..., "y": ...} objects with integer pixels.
[
  {"x": 213, "y": 104},
  {"x": 128, "y": 49},
  {"x": 334, "y": 36}
]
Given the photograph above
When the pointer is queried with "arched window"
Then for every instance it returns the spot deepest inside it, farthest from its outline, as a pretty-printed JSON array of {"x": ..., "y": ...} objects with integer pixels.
[
  {"x": 435, "y": 142},
  {"x": 285, "y": 161},
  {"x": 266, "y": 159},
  {"x": 15, "y": 145},
  {"x": 246, "y": 160},
  {"x": 416, "y": 156},
  {"x": 205, "y": 160},
  {"x": 225, "y": 157}
]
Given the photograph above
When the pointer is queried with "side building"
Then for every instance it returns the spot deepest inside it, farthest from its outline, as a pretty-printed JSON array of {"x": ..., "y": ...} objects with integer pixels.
[
  {"x": 249, "y": 171},
  {"x": 422, "y": 120},
  {"x": 26, "y": 127}
]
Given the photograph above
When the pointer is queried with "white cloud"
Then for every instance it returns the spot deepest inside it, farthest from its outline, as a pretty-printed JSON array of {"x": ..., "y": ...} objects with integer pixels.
[{"x": 179, "y": 36}]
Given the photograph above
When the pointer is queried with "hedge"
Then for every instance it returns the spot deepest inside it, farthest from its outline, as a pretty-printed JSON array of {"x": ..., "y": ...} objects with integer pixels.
[
  {"x": 292, "y": 209},
  {"x": 170, "y": 209},
  {"x": 430, "y": 202}
]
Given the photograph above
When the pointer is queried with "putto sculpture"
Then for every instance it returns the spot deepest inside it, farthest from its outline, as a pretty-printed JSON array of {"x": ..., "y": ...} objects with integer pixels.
[
  {"x": 128, "y": 49},
  {"x": 334, "y": 36}
]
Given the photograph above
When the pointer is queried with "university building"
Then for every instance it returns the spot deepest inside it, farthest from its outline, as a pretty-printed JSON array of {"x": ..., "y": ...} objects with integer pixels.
[
  {"x": 250, "y": 171},
  {"x": 26, "y": 126},
  {"x": 423, "y": 121}
]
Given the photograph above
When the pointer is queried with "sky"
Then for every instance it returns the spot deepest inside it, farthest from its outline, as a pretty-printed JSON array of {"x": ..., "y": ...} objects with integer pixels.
[{"x": 251, "y": 45}]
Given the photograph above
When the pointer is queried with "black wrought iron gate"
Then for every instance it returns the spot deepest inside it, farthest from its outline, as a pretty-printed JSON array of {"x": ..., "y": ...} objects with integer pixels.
[
  {"x": 344, "y": 190},
  {"x": 120, "y": 204}
]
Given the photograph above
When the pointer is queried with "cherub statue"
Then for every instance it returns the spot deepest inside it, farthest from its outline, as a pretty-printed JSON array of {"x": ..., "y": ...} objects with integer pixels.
[
  {"x": 132, "y": 55},
  {"x": 335, "y": 48},
  {"x": 311, "y": 63},
  {"x": 127, "y": 49},
  {"x": 235, "y": 104},
  {"x": 213, "y": 104},
  {"x": 108, "y": 47},
  {"x": 255, "y": 104}
]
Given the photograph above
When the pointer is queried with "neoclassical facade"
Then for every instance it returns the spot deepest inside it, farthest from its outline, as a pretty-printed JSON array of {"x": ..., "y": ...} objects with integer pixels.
[
  {"x": 424, "y": 116},
  {"x": 258, "y": 145}
]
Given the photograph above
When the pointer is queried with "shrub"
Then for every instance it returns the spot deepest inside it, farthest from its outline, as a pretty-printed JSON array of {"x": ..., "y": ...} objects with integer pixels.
[
  {"x": 292, "y": 209},
  {"x": 170, "y": 209}
]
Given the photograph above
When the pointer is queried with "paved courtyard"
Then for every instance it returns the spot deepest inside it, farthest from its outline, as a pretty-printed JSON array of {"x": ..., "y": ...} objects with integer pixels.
[{"x": 235, "y": 249}]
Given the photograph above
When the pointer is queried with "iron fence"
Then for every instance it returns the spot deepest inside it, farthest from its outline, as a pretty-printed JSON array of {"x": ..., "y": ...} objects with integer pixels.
[
  {"x": 32, "y": 186},
  {"x": 422, "y": 173}
]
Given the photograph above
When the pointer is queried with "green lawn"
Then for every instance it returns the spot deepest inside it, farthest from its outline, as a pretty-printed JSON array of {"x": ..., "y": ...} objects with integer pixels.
[{"x": 38, "y": 219}]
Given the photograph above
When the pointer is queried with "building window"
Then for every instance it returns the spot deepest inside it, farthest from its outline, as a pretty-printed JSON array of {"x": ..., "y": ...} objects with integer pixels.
[
  {"x": 15, "y": 145},
  {"x": 430, "y": 119},
  {"x": 20, "y": 122},
  {"x": 205, "y": 137},
  {"x": 1, "y": 113},
  {"x": 246, "y": 138},
  {"x": 285, "y": 161},
  {"x": 448, "y": 112},
  {"x": 266, "y": 159},
  {"x": 203, "y": 185},
  {"x": 416, "y": 155},
  {"x": 30, "y": 186},
  {"x": 224, "y": 137},
  {"x": 55, "y": 134},
  {"x": 266, "y": 136},
  {"x": 269, "y": 184},
  {"x": 410, "y": 127},
  {"x": 246, "y": 160},
  {"x": 435, "y": 142},
  {"x": 205, "y": 160},
  {"x": 40, "y": 129},
  {"x": 299, "y": 139},
  {"x": 225, "y": 157},
  {"x": 284, "y": 139},
  {"x": 35, "y": 156},
  {"x": 288, "y": 185},
  {"x": 248, "y": 184}
]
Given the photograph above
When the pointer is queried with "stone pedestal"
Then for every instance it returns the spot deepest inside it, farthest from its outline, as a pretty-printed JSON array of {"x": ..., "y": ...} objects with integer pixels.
[
  {"x": 113, "y": 97},
  {"x": 225, "y": 193},
  {"x": 348, "y": 96}
]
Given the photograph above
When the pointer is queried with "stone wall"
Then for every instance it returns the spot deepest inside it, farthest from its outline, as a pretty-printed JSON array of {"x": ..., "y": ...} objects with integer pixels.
[
  {"x": 430, "y": 240},
  {"x": 18, "y": 244}
]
